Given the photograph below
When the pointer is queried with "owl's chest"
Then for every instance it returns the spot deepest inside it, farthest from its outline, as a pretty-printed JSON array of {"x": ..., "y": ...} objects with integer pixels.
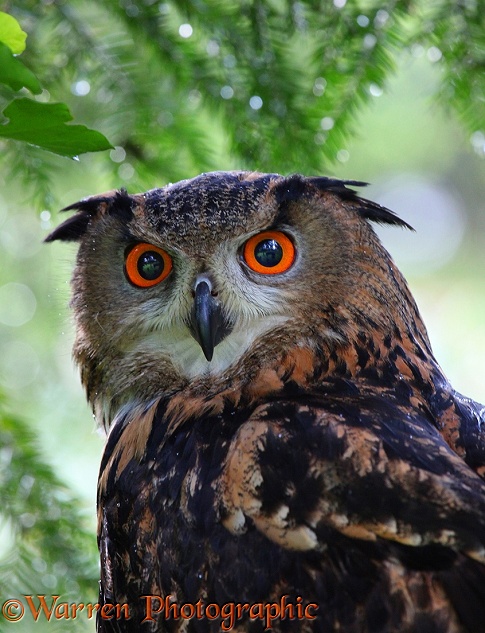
[
  {"x": 164, "y": 512},
  {"x": 164, "y": 523}
]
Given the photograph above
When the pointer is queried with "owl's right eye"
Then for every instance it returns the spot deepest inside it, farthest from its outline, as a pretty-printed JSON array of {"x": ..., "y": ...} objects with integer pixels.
[
  {"x": 269, "y": 253},
  {"x": 147, "y": 265}
]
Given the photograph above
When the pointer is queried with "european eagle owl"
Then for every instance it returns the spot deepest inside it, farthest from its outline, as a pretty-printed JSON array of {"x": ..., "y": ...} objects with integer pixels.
[{"x": 283, "y": 451}]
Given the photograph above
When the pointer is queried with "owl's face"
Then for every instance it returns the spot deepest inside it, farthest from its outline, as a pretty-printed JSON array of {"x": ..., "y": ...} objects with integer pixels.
[{"x": 212, "y": 274}]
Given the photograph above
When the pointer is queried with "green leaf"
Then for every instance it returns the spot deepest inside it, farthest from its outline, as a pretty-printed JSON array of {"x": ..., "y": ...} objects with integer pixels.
[
  {"x": 43, "y": 124},
  {"x": 11, "y": 34},
  {"x": 14, "y": 74}
]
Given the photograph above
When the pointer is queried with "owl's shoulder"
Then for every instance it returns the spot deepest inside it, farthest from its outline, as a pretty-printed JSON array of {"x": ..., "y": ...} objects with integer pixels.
[{"x": 334, "y": 484}]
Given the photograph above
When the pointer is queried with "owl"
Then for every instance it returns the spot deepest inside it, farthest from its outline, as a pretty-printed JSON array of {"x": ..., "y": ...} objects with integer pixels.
[{"x": 284, "y": 452}]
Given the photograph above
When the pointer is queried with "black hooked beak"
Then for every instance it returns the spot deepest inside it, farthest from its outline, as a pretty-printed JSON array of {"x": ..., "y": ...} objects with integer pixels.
[{"x": 207, "y": 323}]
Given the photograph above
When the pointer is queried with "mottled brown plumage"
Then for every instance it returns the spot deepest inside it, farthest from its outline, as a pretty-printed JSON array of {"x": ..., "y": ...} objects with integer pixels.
[{"x": 272, "y": 436}]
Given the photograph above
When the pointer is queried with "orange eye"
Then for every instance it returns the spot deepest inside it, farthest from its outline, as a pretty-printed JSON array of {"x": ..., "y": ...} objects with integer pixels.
[
  {"x": 269, "y": 253},
  {"x": 147, "y": 265}
]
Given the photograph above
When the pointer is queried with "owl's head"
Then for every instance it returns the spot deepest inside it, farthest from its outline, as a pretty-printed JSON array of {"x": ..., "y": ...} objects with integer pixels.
[{"x": 204, "y": 280}]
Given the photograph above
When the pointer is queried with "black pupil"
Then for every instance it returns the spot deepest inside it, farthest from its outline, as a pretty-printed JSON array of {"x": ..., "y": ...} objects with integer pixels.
[
  {"x": 150, "y": 265},
  {"x": 268, "y": 253}
]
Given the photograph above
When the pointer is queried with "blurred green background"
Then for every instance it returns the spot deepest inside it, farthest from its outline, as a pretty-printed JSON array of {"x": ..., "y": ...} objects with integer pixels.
[{"x": 421, "y": 159}]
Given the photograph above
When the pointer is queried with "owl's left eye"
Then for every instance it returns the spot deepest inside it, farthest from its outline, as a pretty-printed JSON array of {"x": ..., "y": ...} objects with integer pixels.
[
  {"x": 269, "y": 253},
  {"x": 147, "y": 265}
]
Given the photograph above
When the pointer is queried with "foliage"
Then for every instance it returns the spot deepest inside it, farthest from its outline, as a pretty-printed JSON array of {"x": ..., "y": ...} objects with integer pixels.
[
  {"x": 458, "y": 30},
  {"x": 269, "y": 84},
  {"x": 51, "y": 547},
  {"x": 43, "y": 124},
  {"x": 37, "y": 123}
]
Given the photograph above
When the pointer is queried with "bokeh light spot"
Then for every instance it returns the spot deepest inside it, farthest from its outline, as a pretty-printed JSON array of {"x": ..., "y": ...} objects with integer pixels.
[
  {"x": 327, "y": 123},
  {"x": 20, "y": 364},
  {"x": 81, "y": 88},
  {"x": 186, "y": 31},
  {"x": 17, "y": 304},
  {"x": 256, "y": 103},
  {"x": 435, "y": 214},
  {"x": 343, "y": 155},
  {"x": 227, "y": 92},
  {"x": 117, "y": 154}
]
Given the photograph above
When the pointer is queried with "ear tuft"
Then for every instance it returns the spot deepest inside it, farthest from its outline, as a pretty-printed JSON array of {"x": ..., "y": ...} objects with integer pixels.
[
  {"x": 366, "y": 208},
  {"x": 381, "y": 215},
  {"x": 71, "y": 230},
  {"x": 112, "y": 202}
]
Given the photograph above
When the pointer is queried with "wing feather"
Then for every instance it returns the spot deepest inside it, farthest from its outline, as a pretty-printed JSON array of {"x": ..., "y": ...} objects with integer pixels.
[{"x": 364, "y": 468}]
